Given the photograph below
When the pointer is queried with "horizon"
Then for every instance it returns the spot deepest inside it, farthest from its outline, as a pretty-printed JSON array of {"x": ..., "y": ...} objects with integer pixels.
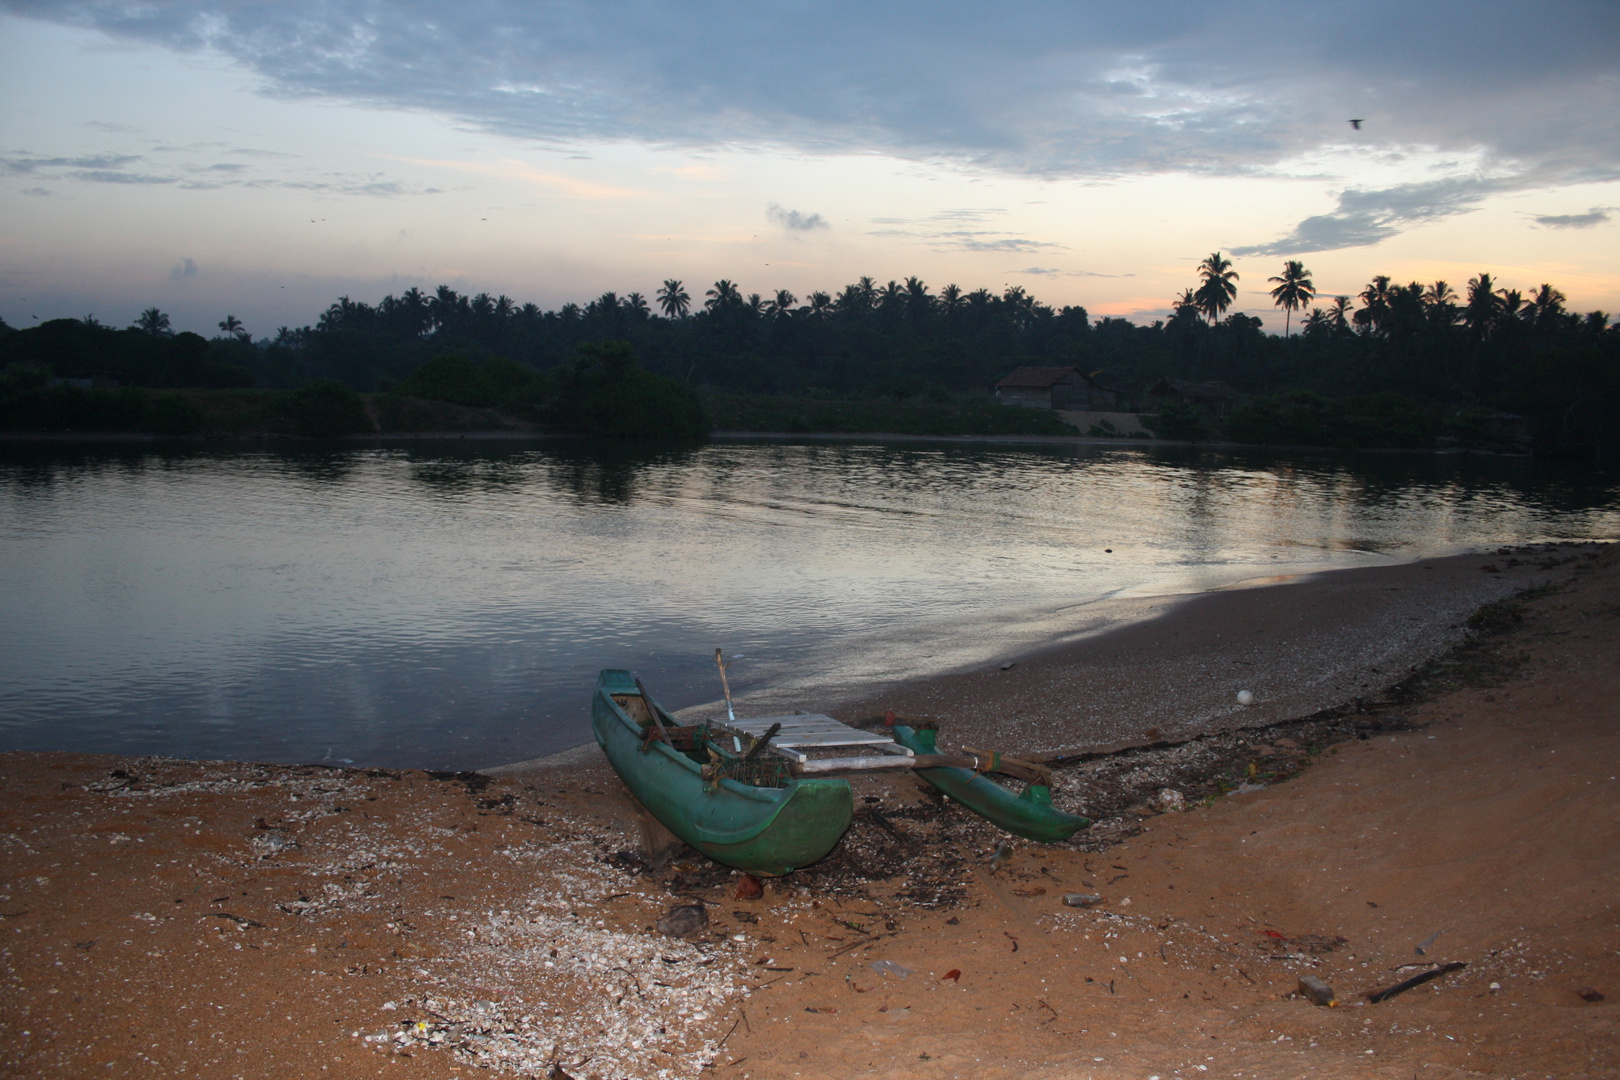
[{"x": 264, "y": 159}]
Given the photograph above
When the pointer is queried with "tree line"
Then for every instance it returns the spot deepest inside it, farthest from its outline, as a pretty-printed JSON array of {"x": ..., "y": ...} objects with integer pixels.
[{"x": 1486, "y": 347}]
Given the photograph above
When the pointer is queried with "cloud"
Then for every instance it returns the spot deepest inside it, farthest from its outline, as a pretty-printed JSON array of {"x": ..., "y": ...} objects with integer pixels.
[
  {"x": 39, "y": 191},
  {"x": 185, "y": 269},
  {"x": 1056, "y": 88},
  {"x": 1598, "y": 215},
  {"x": 953, "y": 230},
  {"x": 112, "y": 176},
  {"x": 1052, "y": 271},
  {"x": 113, "y": 169},
  {"x": 1050, "y": 87},
  {"x": 1366, "y": 217},
  {"x": 796, "y": 220},
  {"x": 28, "y": 164}
]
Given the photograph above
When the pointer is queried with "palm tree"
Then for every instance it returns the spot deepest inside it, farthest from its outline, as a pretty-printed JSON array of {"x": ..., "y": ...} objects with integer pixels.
[
  {"x": 1317, "y": 322},
  {"x": 673, "y": 299},
  {"x": 1483, "y": 305},
  {"x": 232, "y": 326},
  {"x": 1374, "y": 298},
  {"x": 724, "y": 295},
  {"x": 782, "y": 304},
  {"x": 1512, "y": 304},
  {"x": 918, "y": 302},
  {"x": 1339, "y": 313},
  {"x": 820, "y": 305},
  {"x": 950, "y": 298},
  {"x": 1441, "y": 300},
  {"x": 1217, "y": 291},
  {"x": 154, "y": 322},
  {"x": 1294, "y": 290},
  {"x": 1546, "y": 308},
  {"x": 636, "y": 305}
]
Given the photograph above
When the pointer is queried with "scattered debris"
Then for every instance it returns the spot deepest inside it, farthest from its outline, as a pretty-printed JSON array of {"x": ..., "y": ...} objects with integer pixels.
[
  {"x": 1169, "y": 801},
  {"x": 955, "y": 975},
  {"x": 1589, "y": 995},
  {"x": 1422, "y": 947},
  {"x": 1002, "y": 853},
  {"x": 1316, "y": 991},
  {"x": 1417, "y": 980},
  {"x": 683, "y": 920},
  {"x": 1082, "y": 899},
  {"x": 748, "y": 888},
  {"x": 1245, "y": 697},
  {"x": 890, "y": 967}
]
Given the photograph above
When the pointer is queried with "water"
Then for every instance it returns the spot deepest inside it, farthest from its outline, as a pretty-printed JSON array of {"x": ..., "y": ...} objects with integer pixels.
[{"x": 447, "y": 604}]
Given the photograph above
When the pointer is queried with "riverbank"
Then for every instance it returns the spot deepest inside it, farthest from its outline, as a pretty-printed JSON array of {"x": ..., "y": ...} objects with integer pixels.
[{"x": 221, "y": 919}]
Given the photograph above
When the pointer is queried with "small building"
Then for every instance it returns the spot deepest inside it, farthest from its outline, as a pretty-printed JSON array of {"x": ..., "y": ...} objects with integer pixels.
[
  {"x": 1210, "y": 398},
  {"x": 1064, "y": 388}
]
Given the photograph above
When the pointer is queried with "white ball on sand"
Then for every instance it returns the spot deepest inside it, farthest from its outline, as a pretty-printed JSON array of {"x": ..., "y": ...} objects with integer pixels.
[{"x": 1245, "y": 698}]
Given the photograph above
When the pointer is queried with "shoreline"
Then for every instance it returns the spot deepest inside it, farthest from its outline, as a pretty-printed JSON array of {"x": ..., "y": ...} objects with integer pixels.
[
  {"x": 1125, "y": 687},
  {"x": 1118, "y": 442},
  {"x": 167, "y": 917}
]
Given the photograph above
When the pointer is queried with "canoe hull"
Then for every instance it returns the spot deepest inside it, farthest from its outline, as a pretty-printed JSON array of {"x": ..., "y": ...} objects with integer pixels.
[
  {"x": 764, "y": 831},
  {"x": 1030, "y": 815}
]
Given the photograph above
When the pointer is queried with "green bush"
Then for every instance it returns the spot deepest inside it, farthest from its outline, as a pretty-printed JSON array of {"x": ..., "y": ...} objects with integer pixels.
[
  {"x": 1177, "y": 420},
  {"x": 604, "y": 392},
  {"x": 495, "y": 382},
  {"x": 172, "y": 414},
  {"x": 1301, "y": 418},
  {"x": 327, "y": 409}
]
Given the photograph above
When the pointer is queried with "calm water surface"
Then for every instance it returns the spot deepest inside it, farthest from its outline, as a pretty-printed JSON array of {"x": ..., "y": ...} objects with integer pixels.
[{"x": 447, "y": 604}]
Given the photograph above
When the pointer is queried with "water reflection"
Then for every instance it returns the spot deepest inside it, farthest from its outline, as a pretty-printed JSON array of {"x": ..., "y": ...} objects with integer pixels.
[{"x": 447, "y": 603}]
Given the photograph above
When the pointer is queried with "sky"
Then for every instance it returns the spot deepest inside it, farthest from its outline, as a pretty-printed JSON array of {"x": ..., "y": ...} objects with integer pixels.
[{"x": 262, "y": 157}]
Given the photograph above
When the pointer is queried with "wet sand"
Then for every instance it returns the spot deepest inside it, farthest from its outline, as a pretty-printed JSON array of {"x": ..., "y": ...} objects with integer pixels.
[{"x": 164, "y": 918}]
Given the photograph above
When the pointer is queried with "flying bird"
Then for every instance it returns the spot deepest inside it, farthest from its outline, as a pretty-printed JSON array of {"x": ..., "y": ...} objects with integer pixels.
[{"x": 1357, "y": 123}]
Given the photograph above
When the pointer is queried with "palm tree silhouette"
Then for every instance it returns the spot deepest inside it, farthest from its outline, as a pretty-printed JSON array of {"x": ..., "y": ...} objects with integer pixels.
[
  {"x": 782, "y": 304},
  {"x": 673, "y": 299},
  {"x": 724, "y": 295},
  {"x": 1294, "y": 290},
  {"x": 1374, "y": 311},
  {"x": 1339, "y": 313},
  {"x": 231, "y": 325},
  {"x": 154, "y": 322},
  {"x": 1480, "y": 313},
  {"x": 1546, "y": 308},
  {"x": 1215, "y": 294}
]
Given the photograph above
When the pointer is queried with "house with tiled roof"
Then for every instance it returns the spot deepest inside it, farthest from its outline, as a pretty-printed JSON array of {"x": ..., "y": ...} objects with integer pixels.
[{"x": 1065, "y": 388}]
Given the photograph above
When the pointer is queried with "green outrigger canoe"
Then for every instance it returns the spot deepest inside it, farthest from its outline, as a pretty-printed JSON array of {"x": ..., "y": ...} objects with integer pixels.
[
  {"x": 765, "y": 830},
  {"x": 775, "y": 812}
]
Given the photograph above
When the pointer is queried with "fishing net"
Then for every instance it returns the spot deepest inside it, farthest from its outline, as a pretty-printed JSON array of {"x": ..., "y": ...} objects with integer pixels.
[{"x": 762, "y": 771}]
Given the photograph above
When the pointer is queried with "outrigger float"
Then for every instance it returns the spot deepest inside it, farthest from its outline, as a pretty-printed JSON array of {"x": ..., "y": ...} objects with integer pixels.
[{"x": 766, "y": 795}]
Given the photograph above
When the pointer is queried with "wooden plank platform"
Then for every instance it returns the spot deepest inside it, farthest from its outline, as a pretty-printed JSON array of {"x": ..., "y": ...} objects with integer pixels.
[{"x": 804, "y": 733}]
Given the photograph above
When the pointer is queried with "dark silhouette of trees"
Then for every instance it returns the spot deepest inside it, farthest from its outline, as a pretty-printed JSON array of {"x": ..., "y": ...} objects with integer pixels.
[
  {"x": 1217, "y": 290},
  {"x": 1294, "y": 290},
  {"x": 674, "y": 301},
  {"x": 1485, "y": 351},
  {"x": 154, "y": 322}
]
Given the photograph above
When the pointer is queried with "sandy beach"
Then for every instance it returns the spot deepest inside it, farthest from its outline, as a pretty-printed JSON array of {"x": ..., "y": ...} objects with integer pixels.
[{"x": 1430, "y": 765}]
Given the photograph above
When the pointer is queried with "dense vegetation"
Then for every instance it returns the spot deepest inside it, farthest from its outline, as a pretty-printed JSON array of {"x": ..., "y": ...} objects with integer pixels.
[{"x": 1397, "y": 365}]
